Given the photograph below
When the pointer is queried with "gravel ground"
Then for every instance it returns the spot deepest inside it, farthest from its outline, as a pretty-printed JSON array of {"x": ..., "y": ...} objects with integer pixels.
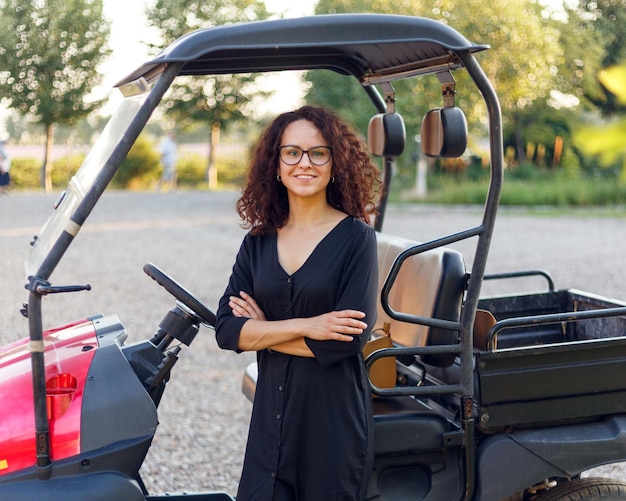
[{"x": 194, "y": 237}]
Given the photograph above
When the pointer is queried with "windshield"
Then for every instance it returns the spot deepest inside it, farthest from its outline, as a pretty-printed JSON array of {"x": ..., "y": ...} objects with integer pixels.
[{"x": 81, "y": 183}]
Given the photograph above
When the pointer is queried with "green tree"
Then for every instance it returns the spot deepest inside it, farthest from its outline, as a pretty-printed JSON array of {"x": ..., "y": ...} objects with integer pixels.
[
  {"x": 217, "y": 100},
  {"x": 49, "y": 53},
  {"x": 598, "y": 29},
  {"x": 522, "y": 62},
  {"x": 592, "y": 40},
  {"x": 524, "y": 57},
  {"x": 345, "y": 96},
  {"x": 608, "y": 140},
  {"x": 582, "y": 59},
  {"x": 16, "y": 126}
]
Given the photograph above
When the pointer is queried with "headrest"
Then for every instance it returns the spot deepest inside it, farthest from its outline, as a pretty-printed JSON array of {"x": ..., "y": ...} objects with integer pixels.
[
  {"x": 444, "y": 133},
  {"x": 386, "y": 135}
]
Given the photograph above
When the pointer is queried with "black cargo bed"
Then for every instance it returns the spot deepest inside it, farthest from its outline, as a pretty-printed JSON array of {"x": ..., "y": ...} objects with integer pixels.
[{"x": 551, "y": 373}]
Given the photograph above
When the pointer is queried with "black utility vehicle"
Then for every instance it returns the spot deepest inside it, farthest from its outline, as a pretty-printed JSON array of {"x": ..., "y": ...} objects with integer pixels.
[{"x": 485, "y": 399}]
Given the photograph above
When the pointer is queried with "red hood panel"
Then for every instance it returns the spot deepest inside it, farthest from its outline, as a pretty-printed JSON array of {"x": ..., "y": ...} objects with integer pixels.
[{"x": 69, "y": 350}]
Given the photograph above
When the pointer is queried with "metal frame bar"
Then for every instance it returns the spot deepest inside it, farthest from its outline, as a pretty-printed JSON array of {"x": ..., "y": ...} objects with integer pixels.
[
  {"x": 35, "y": 324},
  {"x": 484, "y": 233},
  {"x": 552, "y": 318},
  {"x": 523, "y": 273}
]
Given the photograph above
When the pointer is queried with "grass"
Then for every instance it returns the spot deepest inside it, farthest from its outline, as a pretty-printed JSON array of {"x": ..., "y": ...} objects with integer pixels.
[{"x": 554, "y": 191}]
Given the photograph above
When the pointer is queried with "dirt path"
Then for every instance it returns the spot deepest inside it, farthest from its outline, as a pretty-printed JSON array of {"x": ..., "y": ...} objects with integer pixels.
[{"x": 194, "y": 237}]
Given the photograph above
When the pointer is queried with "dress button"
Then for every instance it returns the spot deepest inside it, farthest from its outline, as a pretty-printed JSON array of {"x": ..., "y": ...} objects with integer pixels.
[
  {"x": 280, "y": 387},
  {"x": 277, "y": 416},
  {"x": 289, "y": 280},
  {"x": 273, "y": 474}
]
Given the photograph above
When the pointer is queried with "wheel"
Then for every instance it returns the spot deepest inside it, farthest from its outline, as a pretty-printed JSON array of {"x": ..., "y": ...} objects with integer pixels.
[
  {"x": 586, "y": 489},
  {"x": 181, "y": 294}
]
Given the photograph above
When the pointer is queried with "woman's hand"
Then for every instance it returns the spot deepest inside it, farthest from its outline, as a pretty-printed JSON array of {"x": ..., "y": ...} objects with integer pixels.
[
  {"x": 245, "y": 307},
  {"x": 336, "y": 325},
  {"x": 287, "y": 336}
]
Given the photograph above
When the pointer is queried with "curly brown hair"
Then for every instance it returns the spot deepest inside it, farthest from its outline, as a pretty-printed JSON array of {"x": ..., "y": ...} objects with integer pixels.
[{"x": 264, "y": 206}]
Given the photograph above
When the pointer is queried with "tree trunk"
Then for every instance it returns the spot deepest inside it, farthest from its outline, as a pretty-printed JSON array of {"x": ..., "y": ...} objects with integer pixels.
[
  {"x": 519, "y": 141},
  {"x": 212, "y": 167},
  {"x": 46, "y": 169}
]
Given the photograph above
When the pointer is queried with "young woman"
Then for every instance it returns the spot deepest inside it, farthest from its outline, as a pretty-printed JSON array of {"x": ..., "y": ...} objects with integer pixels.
[{"x": 303, "y": 295}]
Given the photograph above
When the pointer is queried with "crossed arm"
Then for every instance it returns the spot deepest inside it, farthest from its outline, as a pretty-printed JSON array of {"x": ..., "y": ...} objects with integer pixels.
[{"x": 287, "y": 336}]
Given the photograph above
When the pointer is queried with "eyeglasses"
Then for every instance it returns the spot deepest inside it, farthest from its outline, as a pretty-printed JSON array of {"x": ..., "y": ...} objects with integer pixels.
[{"x": 318, "y": 155}]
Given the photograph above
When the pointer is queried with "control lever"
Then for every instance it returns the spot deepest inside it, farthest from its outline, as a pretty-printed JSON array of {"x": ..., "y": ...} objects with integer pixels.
[{"x": 164, "y": 368}]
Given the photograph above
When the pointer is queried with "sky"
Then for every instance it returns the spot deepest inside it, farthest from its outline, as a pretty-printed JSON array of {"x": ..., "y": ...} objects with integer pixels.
[
  {"x": 129, "y": 28},
  {"x": 129, "y": 32}
]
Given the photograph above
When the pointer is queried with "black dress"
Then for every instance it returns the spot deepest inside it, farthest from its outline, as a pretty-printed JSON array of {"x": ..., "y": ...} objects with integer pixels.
[{"x": 311, "y": 430}]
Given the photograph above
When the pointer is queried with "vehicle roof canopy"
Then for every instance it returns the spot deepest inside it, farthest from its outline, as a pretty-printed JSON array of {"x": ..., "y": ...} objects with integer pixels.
[{"x": 367, "y": 46}]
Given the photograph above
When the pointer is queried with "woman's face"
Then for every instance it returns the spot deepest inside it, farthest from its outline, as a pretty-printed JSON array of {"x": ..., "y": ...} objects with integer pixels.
[{"x": 302, "y": 176}]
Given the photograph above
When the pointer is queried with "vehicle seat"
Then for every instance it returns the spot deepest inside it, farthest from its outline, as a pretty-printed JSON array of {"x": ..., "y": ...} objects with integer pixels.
[
  {"x": 430, "y": 284},
  {"x": 404, "y": 425}
]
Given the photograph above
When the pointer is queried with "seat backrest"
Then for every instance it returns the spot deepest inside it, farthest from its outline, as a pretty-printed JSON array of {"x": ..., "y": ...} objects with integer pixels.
[{"x": 430, "y": 284}]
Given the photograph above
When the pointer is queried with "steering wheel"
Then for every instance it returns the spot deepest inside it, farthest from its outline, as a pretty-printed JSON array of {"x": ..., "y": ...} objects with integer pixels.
[{"x": 181, "y": 294}]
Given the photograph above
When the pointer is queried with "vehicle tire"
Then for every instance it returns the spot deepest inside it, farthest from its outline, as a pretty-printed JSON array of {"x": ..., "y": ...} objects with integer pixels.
[{"x": 586, "y": 489}]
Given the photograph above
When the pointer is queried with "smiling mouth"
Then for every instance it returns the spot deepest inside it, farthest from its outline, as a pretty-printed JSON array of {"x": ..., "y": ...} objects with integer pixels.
[{"x": 305, "y": 176}]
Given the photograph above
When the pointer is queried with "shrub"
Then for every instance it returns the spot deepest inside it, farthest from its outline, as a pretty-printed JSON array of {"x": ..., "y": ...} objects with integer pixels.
[
  {"x": 549, "y": 189},
  {"x": 64, "y": 168},
  {"x": 140, "y": 168},
  {"x": 191, "y": 169},
  {"x": 524, "y": 172},
  {"x": 232, "y": 171},
  {"x": 25, "y": 173}
]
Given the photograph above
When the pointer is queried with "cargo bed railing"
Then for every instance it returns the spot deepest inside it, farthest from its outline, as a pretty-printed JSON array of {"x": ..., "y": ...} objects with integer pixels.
[
  {"x": 552, "y": 318},
  {"x": 522, "y": 274}
]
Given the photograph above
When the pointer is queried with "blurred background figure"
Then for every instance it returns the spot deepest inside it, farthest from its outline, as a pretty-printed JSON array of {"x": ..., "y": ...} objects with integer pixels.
[
  {"x": 5, "y": 167},
  {"x": 169, "y": 153}
]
